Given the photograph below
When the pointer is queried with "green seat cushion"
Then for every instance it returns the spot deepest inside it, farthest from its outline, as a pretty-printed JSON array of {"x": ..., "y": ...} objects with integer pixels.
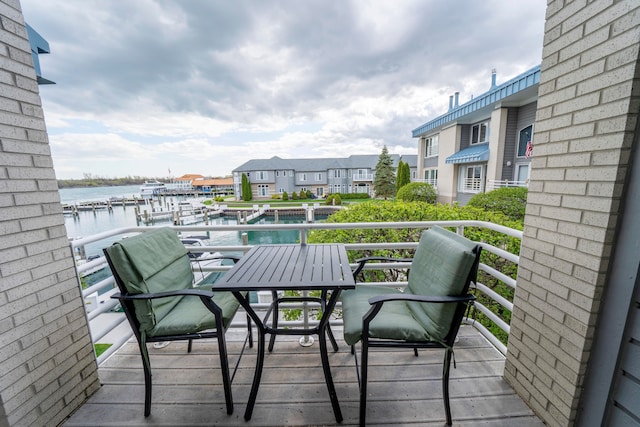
[
  {"x": 152, "y": 262},
  {"x": 190, "y": 315},
  {"x": 394, "y": 321},
  {"x": 440, "y": 267}
]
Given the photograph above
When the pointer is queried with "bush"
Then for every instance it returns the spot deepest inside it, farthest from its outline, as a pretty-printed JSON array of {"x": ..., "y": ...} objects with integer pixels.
[
  {"x": 417, "y": 192},
  {"x": 303, "y": 194},
  {"x": 344, "y": 196},
  {"x": 285, "y": 196},
  {"x": 334, "y": 199},
  {"x": 275, "y": 196},
  {"x": 294, "y": 195},
  {"x": 510, "y": 201},
  {"x": 308, "y": 194}
]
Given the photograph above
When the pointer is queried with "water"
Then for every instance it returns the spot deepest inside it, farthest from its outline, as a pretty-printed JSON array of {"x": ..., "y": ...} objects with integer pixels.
[{"x": 90, "y": 222}]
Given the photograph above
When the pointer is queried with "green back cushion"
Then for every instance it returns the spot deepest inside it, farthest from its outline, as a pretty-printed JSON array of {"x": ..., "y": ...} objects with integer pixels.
[
  {"x": 440, "y": 267},
  {"x": 151, "y": 262}
]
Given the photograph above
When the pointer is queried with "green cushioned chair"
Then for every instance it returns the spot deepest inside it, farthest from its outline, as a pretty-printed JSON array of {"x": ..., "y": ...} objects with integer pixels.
[
  {"x": 153, "y": 272},
  {"x": 427, "y": 314}
]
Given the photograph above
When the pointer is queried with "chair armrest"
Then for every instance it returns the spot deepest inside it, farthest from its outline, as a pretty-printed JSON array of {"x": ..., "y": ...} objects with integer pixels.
[
  {"x": 182, "y": 292},
  {"x": 362, "y": 261},
  {"x": 420, "y": 298}
]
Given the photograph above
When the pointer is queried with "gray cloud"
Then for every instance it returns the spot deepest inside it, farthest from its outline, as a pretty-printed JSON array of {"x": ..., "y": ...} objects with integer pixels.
[{"x": 256, "y": 65}]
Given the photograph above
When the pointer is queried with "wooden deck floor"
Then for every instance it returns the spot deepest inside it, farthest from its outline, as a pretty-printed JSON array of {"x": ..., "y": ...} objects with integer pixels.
[{"x": 404, "y": 390}]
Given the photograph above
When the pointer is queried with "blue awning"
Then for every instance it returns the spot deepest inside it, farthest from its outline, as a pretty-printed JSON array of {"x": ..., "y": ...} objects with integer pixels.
[{"x": 475, "y": 153}]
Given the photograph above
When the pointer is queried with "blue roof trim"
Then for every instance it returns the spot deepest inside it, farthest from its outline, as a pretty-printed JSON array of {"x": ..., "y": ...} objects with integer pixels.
[
  {"x": 523, "y": 81},
  {"x": 474, "y": 153},
  {"x": 38, "y": 45}
]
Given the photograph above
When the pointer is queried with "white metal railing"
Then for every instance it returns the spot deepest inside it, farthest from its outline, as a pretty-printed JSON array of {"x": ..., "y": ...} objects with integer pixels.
[
  {"x": 493, "y": 184},
  {"x": 472, "y": 185},
  {"x": 106, "y": 287},
  {"x": 432, "y": 181}
]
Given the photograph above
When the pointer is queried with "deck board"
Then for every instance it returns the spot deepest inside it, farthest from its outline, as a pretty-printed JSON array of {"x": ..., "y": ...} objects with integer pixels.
[{"x": 404, "y": 389}]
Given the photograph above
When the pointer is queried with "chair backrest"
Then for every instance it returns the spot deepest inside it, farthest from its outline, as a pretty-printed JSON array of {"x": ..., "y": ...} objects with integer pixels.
[
  {"x": 444, "y": 264},
  {"x": 150, "y": 262}
]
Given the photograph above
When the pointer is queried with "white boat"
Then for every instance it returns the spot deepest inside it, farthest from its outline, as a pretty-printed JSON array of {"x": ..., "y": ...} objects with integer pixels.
[
  {"x": 201, "y": 259},
  {"x": 152, "y": 188}
]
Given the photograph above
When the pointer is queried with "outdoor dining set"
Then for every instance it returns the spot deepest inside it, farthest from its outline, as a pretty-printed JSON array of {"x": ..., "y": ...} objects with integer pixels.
[{"x": 155, "y": 279}]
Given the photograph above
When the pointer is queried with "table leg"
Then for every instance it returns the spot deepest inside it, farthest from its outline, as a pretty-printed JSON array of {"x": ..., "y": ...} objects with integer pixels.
[
  {"x": 325, "y": 358},
  {"x": 244, "y": 302}
]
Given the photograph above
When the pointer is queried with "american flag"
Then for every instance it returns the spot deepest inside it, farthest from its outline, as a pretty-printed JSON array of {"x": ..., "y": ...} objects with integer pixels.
[{"x": 529, "y": 149}]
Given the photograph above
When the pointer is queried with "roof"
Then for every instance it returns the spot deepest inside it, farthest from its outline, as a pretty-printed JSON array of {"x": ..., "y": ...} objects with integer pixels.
[
  {"x": 354, "y": 161},
  {"x": 213, "y": 182},
  {"x": 474, "y": 153},
  {"x": 523, "y": 84}
]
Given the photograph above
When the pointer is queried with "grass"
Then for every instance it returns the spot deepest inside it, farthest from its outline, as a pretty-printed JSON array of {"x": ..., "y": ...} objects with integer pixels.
[{"x": 101, "y": 348}]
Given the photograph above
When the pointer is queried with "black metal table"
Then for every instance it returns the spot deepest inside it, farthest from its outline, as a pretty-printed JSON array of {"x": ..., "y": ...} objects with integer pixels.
[{"x": 291, "y": 267}]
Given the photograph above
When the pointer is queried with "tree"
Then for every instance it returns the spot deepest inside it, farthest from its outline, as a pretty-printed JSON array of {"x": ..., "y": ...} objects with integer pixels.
[
  {"x": 403, "y": 175},
  {"x": 384, "y": 184},
  {"x": 246, "y": 188}
]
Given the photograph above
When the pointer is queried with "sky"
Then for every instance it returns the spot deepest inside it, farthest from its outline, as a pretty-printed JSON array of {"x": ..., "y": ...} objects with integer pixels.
[{"x": 162, "y": 88}]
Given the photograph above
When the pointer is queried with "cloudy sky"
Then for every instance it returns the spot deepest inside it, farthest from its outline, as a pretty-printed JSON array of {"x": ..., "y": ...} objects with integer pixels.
[{"x": 144, "y": 87}]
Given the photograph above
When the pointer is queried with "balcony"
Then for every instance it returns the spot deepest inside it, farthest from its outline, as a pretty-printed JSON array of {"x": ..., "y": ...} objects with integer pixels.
[
  {"x": 362, "y": 177},
  {"x": 404, "y": 389}
]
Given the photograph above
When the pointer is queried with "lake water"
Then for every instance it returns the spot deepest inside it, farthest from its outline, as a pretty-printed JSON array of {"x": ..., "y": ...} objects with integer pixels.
[{"x": 88, "y": 222}]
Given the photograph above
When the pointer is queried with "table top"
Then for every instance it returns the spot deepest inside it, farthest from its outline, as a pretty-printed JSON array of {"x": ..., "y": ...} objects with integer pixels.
[{"x": 294, "y": 267}]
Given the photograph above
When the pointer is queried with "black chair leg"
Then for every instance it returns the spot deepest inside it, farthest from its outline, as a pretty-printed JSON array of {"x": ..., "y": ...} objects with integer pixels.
[
  {"x": 445, "y": 384},
  {"x": 363, "y": 382},
  {"x": 249, "y": 331},
  {"x": 146, "y": 365},
  {"x": 224, "y": 367},
  {"x": 189, "y": 346}
]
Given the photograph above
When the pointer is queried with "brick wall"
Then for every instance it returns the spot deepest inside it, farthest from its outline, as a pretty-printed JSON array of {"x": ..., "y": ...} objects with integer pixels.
[
  {"x": 47, "y": 364},
  {"x": 587, "y": 112}
]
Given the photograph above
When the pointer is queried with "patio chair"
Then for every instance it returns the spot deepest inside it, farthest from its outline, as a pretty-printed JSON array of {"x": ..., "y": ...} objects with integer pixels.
[
  {"x": 426, "y": 315},
  {"x": 153, "y": 273}
]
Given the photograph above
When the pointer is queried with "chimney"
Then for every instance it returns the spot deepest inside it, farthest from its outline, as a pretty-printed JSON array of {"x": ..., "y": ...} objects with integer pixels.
[
  {"x": 493, "y": 78},
  {"x": 450, "y": 102},
  {"x": 455, "y": 102}
]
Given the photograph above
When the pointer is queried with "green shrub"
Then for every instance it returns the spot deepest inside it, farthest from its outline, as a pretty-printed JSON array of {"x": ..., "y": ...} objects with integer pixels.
[
  {"x": 334, "y": 199},
  {"x": 347, "y": 196},
  {"x": 285, "y": 196},
  {"x": 417, "y": 192},
  {"x": 294, "y": 195},
  {"x": 308, "y": 194},
  {"x": 275, "y": 196},
  {"x": 510, "y": 201}
]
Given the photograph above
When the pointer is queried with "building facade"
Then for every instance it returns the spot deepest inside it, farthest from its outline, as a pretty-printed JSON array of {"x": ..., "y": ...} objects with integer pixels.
[
  {"x": 482, "y": 144},
  {"x": 275, "y": 176}
]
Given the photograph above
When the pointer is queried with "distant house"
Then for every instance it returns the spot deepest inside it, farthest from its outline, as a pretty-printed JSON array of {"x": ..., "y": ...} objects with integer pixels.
[
  {"x": 215, "y": 186},
  {"x": 482, "y": 144},
  {"x": 183, "y": 183},
  {"x": 275, "y": 176}
]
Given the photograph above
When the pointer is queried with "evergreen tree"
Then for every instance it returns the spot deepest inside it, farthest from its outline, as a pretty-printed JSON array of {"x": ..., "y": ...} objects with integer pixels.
[
  {"x": 406, "y": 174},
  {"x": 246, "y": 188},
  {"x": 384, "y": 184}
]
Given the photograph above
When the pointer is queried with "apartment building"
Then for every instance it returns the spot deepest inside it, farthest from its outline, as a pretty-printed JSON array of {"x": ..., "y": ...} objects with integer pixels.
[
  {"x": 275, "y": 176},
  {"x": 482, "y": 144}
]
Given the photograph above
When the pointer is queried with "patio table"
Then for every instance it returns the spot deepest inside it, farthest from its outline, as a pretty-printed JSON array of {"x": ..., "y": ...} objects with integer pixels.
[{"x": 323, "y": 267}]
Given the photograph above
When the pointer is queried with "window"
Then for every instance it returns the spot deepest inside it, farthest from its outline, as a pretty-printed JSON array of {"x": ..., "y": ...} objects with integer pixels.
[
  {"x": 319, "y": 191},
  {"x": 318, "y": 177},
  {"x": 480, "y": 133},
  {"x": 431, "y": 146},
  {"x": 303, "y": 176},
  {"x": 431, "y": 176},
  {"x": 522, "y": 172},
  {"x": 291, "y": 173},
  {"x": 471, "y": 179},
  {"x": 263, "y": 190},
  {"x": 277, "y": 173},
  {"x": 262, "y": 176},
  {"x": 524, "y": 138},
  {"x": 338, "y": 173},
  {"x": 414, "y": 174},
  {"x": 281, "y": 190}
]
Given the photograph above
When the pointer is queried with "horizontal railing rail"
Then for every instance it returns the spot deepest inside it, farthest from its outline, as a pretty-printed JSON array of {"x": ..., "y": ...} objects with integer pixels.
[{"x": 101, "y": 291}]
